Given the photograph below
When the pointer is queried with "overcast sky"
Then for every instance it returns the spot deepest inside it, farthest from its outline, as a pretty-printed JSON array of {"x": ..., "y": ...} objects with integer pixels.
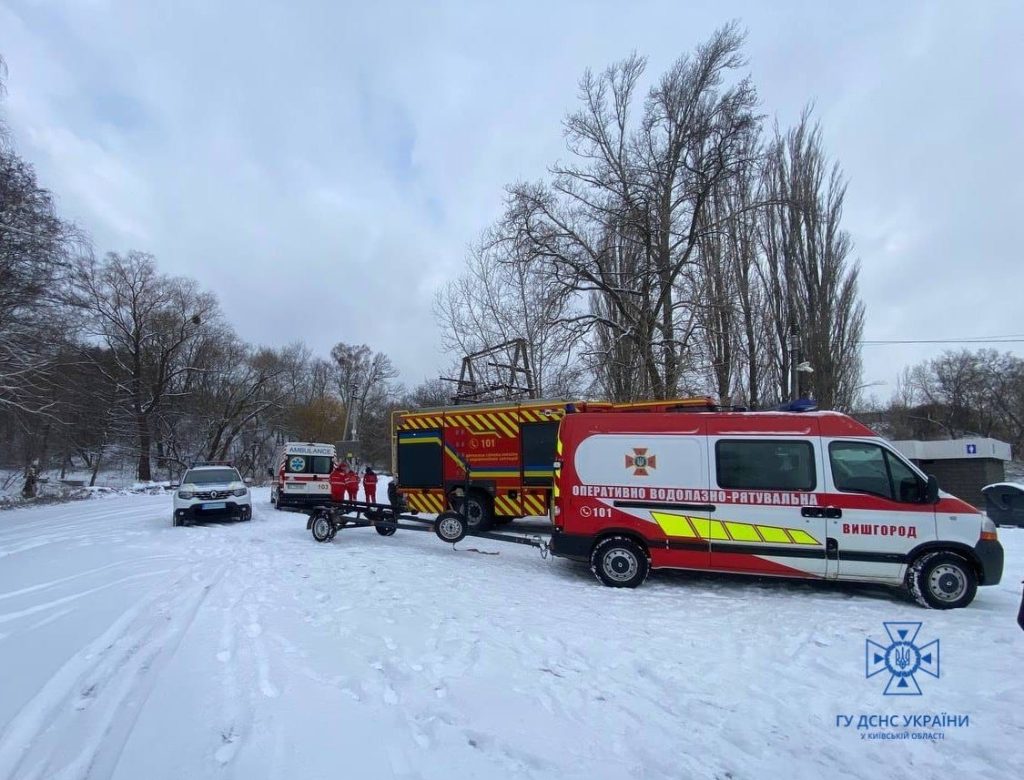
[{"x": 322, "y": 166}]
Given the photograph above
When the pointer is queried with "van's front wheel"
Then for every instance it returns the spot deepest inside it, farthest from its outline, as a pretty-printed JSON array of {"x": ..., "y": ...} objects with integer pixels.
[
  {"x": 942, "y": 580},
  {"x": 619, "y": 562}
]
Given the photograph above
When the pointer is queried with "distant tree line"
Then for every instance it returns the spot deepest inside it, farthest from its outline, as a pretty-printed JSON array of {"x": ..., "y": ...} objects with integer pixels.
[
  {"x": 958, "y": 394},
  {"x": 104, "y": 359},
  {"x": 681, "y": 247}
]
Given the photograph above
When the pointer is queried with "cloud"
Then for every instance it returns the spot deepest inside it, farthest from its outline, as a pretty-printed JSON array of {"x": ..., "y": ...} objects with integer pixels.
[{"x": 323, "y": 167}]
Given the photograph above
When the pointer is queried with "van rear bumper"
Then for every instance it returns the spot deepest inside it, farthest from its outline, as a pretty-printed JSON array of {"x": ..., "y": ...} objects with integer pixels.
[
  {"x": 990, "y": 555},
  {"x": 575, "y": 547}
]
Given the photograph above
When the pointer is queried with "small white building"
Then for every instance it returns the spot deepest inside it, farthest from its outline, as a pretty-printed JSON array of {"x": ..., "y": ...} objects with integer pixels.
[{"x": 962, "y": 466}]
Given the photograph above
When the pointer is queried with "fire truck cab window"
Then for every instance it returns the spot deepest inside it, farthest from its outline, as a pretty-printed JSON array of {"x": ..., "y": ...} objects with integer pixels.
[
  {"x": 419, "y": 459},
  {"x": 538, "y": 442},
  {"x": 765, "y": 464}
]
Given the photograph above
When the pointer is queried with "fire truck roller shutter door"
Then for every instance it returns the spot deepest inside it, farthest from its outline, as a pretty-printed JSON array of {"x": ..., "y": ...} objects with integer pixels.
[{"x": 419, "y": 459}]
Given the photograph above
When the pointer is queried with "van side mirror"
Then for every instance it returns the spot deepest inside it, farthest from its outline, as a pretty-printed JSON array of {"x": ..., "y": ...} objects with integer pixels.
[
  {"x": 248, "y": 480},
  {"x": 931, "y": 492}
]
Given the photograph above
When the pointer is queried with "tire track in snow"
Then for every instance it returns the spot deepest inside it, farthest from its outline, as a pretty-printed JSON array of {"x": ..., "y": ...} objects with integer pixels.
[
  {"x": 89, "y": 572},
  {"x": 95, "y": 698},
  {"x": 9, "y": 616}
]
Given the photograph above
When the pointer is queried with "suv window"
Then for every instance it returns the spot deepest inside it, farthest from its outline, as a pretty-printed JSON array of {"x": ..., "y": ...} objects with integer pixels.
[
  {"x": 863, "y": 467},
  {"x": 762, "y": 464},
  {"x": 211, "y": 476}
]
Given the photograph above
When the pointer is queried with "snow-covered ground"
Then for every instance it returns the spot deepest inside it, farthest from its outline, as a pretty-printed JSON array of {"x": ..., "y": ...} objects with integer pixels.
[{"x": 132, "y": 649}]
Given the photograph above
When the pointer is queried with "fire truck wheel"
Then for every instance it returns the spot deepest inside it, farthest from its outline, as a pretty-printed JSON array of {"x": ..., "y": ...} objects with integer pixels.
[
  {"x": 450, "y": 527},
  {"x": 386, "y": 529},
  {"x": 619, "y": 562},
  {"x": 477, "y": 510},
  {"x": 323, "y": 530},
  {"x": 942, "y": 580}
]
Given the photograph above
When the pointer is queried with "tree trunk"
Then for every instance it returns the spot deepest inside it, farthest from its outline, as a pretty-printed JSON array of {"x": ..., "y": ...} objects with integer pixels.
[
  {"x": 145, "y": 472},
  {"x": 96, "y": 468}
]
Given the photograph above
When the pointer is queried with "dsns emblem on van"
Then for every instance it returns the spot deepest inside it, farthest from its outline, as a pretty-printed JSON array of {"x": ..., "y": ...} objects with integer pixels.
[{"x": 640, "y": 461}]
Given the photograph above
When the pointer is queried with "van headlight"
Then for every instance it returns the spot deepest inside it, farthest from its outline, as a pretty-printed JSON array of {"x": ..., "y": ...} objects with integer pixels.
[
  {"x": 185, "y": 494},
  {"x": 239, "y": 491}
]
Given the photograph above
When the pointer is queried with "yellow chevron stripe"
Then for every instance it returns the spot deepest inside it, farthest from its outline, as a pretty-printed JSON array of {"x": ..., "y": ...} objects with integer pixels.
[
  {"x": 500, "y": 426},
  {"x": 729, "y": 530},
  {"x": 534, "y": 504},
  {"x": 510, "y": 420},
  {"x": 674, "y": 525}
]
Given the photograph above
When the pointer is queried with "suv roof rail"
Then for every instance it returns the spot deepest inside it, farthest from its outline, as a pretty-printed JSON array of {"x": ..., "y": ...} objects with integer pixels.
[{"x": 198, "y": 463}]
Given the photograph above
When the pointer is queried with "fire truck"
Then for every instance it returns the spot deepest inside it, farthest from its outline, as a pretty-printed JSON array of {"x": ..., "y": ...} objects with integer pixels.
[{"x": 492, "y": 461}]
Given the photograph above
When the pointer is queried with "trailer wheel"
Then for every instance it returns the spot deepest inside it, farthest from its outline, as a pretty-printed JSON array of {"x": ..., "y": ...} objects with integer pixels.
[
  {"x": 386, "y": 529},
  {"x": 620, "y": 562},
  {"x": 450, "y": 527},
  {"x": 322, "y": 527},
  {"x": 942, "y": 580}
]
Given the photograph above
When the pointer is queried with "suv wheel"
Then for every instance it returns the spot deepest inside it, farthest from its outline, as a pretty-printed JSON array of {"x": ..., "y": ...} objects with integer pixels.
[{"x": 619, "y": 562}]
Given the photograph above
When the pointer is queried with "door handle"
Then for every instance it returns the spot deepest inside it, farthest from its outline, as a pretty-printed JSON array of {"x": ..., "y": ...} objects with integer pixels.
[{"x": 818, "y": 511}]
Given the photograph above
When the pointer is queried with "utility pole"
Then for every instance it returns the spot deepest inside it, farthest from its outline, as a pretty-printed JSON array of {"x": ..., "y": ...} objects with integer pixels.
[
  {"x": 794, "y": 360},
  {"x": 348, "y": 409}
]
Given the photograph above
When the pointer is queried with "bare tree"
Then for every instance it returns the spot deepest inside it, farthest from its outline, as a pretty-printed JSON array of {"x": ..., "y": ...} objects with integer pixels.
[
  {"x": 502, "y": 296},
  {"x": 639, "y": 192},
  {"x": 809, "y": 280},
  {"x": 148, "y": 321}
]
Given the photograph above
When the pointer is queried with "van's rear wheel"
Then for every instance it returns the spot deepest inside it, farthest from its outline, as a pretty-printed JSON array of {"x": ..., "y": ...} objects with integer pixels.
[
  {"x": 620, "y": 562},
  {"x": 942, "y": 580}
]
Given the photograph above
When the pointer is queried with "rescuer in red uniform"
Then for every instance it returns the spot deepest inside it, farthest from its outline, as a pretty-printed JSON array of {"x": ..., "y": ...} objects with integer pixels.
[
  {"x": 352, "y": 484},
  {"x": 338, "y": 481},
  {"x": 370, "y": 485}
]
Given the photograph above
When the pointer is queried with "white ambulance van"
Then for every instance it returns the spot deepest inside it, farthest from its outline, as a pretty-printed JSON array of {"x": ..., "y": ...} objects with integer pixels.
[
  {"x": 302, "y": 474},
  {"x": 812, "y": 494}
]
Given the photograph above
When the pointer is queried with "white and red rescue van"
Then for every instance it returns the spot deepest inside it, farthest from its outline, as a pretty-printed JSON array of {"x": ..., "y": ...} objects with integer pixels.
[
  {"x": 811, "y": 494},
  {"x": 302, "y": 474}
]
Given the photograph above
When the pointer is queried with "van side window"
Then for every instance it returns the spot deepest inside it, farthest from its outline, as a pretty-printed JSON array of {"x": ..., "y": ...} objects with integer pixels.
[
  {"x": 765, "y": 464},
  {"x": 862, "y": 467}
]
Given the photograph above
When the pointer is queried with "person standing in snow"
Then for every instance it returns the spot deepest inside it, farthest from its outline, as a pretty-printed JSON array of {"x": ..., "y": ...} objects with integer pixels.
[
  {"x": 370, "y": 485},
  {"x": 352, "y": 484},
  {"x": 339, "y": 477}
]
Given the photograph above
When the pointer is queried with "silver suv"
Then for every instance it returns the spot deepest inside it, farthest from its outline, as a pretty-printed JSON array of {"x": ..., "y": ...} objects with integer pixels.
[{"x": 208, "y": 492}]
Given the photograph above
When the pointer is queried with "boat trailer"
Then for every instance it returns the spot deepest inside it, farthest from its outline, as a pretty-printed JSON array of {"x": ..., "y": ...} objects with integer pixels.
[{"x": 325, "y": 520}]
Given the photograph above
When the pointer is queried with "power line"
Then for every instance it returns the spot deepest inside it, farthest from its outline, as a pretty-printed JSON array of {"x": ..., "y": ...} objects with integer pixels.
[{"x": 1015, "y": 338}]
